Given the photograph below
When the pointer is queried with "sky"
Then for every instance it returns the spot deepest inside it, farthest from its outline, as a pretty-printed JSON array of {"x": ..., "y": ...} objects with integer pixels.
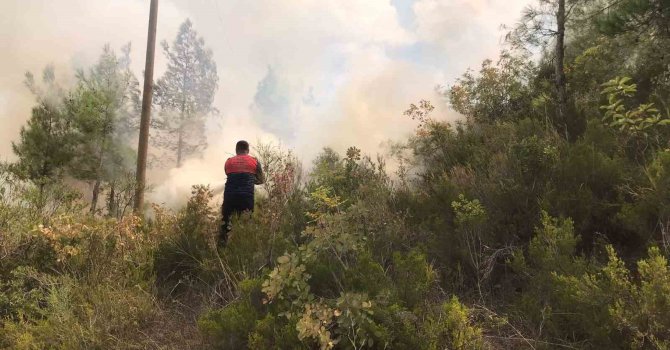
[{"x": 301, "y": 73}]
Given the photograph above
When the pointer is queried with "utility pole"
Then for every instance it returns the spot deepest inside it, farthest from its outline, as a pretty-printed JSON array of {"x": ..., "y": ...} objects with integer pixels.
[{"x": 147, "y": 94}]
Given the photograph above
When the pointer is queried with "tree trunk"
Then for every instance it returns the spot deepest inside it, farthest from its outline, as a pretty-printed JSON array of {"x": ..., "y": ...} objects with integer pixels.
[
  {"x": 180, "y": 145},
  {"x": 42, "y": 181},
  {"x": 41, "y": 202},
  {"x": 180, "y": 142},
  {"x": 112, "y": 205},
  {"x": 94, "y": 197},
  {"x": 98, "y": 180},
  {"x": 561, "y": 90}
]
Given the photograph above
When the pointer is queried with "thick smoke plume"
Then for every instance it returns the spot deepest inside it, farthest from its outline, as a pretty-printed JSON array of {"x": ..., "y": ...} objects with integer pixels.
[{"x": 342, "y": 71}]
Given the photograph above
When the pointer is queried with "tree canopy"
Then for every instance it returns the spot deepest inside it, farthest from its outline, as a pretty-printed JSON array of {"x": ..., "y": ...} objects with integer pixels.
[{"x": 185, "y": 94}]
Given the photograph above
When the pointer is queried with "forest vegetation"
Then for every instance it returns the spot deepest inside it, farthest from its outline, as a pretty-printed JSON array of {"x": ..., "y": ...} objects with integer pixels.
[{"x": 540, "y": 220}]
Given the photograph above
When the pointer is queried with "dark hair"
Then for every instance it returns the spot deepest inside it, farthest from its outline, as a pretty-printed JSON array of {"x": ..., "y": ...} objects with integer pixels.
[{"x": 242, "y": 147}]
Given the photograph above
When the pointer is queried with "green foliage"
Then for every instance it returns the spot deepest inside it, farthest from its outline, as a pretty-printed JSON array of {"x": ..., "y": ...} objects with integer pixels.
[
  {"x": 649, "y": 214},
  {"x": 554, "y": 245},
  {"x": 73, "y": 316},
  {"x": 576, "y": 300},
  {"x": 322, "y": 287},
  {"x": 21, "y": 295},
  {"x": 551, "y": 254},
  {"x": 181, "y": 260},
  {"x": 103, "y": 110},
  {"x": 104, "y": 106},
  {"x": 231, "y": 326},
  {"x": 78, "y": 283},
  {"x": 637, "y": 16},
  {"x": 45, "y": 147},
  {"x": 535, "y": 158},
  {"x": 345, "y": 177},
  {"x": 499, "y": 92},
  {"x": 642, "y": 121},
  {"x": 645, "y": 317},
  {"x": 414, "y": 278},
  {"x": 46, "y": 143},
  {"x": 24, "y": 203},
  {"x": 275, "y": 333},
  {"x": 590, "y": 198},
  {"x": 452, "y": 328},
  {"x": 468, "y": 213}
]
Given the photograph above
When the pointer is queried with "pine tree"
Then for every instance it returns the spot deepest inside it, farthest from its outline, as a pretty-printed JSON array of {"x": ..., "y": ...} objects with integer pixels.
[
  {"x": 540, "y": 25},
  {"x": 651, "y": 16},
  {"x": 185, "y": 94},
  {"x": 45, "y": 144},
  {"x": 104, "y": 107}
]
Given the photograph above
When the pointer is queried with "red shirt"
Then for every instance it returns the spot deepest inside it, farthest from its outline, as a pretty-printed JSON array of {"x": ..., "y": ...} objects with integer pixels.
[
  {"x": 241, "y": 164},
  {"x": 243, "y": 171}
]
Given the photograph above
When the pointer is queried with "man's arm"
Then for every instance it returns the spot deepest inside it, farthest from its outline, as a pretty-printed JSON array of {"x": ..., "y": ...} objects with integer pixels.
[{"x": 260, "y": 176}]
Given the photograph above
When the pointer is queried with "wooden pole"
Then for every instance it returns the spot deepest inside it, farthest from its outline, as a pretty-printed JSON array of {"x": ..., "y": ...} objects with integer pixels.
[{"x": 147, "y": 94}]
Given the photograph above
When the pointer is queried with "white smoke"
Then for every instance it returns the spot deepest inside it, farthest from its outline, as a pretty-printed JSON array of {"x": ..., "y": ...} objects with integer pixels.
[
  {"x": 346, "y": 69},
  {"x": 69, "y": 35}
]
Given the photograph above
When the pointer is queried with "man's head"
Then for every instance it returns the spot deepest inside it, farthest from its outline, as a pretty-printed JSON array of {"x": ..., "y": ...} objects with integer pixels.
[{"x": 242, "y": 147}]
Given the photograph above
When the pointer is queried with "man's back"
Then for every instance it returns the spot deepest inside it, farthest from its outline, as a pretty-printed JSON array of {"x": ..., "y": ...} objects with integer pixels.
[{"x": 243, "y": 172}]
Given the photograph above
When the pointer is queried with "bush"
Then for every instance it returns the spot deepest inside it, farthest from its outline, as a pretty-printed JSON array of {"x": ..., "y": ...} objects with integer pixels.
[
  {"x": 275, "y": 333},
  {"x": 414, "y": 278},
  {"x": 230, "y": 326},
  {"x": 181, "y": 261},
  {"x": 246, "y": 323},
  {"x": 72, "y": 315},
  {"x": 544, "y": 300},
  {"x": 638, "y": 310},
  {"x": 452, "y": 328}
]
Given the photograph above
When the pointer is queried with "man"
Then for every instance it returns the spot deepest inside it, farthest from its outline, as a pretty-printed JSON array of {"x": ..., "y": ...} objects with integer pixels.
[{"x": 243, "y": 171}]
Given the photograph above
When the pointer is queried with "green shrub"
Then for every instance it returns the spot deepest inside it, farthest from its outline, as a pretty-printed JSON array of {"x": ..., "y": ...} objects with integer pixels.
[
  {"x": 545, "y": 299},
  {"x": 253, "y": 244},
  {"x": 22, "y": 294},
  {"x": 274, "y": 332},
  {"x": 245, "y": 323},
  {"x": 79, "y": 316},
  {"x": 399, "y": 327},
  {"x": 593, "y": 198},
  {"x": 452, "y": 328},
  {"x": 229, "y": 327},
  {"x": 414, "y": 278},
  {"x": 367, "y": 276},
  {"x": 640, "y": 310},
  {"x": 649, "y": 213},
  {"x": 181, "y": 260}
]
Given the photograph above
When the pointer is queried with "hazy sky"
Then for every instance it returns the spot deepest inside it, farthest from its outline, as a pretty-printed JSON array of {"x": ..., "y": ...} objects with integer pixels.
[{"x": 310, "y": 73}]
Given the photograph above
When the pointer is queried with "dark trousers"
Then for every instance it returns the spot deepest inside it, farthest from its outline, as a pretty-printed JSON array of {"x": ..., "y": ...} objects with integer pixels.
[{"x": 233, "y": 204}]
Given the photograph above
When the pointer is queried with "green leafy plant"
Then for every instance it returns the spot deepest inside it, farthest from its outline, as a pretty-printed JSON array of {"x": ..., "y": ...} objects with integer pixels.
[{"x": 641, "y": 121}]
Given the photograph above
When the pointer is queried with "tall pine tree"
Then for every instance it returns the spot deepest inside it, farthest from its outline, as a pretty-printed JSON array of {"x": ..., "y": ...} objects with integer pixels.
[
  {"x": 651, "y": 16},
  {"x": 544, "y": 23},
  {"x": 45, "y": 145},
  {"x": 185, "y": 94},
  {"x": 104, "y": 107}
]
